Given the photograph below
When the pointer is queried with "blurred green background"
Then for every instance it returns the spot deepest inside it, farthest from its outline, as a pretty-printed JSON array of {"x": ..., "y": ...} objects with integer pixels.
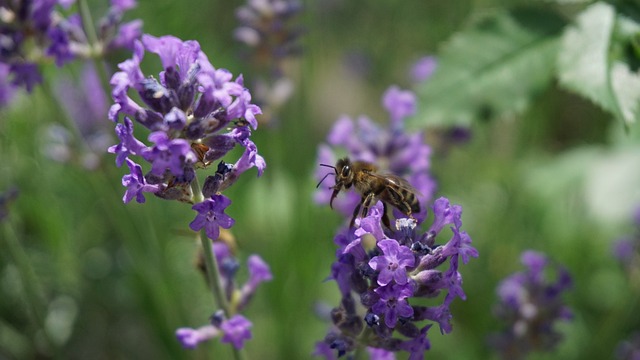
[{"x": 115, "y": 280}]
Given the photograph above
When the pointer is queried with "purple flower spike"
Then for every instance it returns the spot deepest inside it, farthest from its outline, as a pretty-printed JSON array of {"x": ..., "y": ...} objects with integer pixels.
[
  {"x": 211, "y": 216},
  {"x": 405, "y": 263},
  {"x": 236, "y": 331},
  {"x": 531, "y": 304},
  {"x": 393, "y": 265}
]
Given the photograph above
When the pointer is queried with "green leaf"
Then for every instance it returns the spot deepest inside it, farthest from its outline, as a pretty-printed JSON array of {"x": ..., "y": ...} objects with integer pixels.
[
  {"x": 494, "y": 67},
  {"x": 587, "y": 65}
]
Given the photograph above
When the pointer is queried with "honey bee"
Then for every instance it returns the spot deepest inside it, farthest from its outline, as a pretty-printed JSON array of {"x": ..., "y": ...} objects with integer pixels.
[{"x": 373, "y": 186}]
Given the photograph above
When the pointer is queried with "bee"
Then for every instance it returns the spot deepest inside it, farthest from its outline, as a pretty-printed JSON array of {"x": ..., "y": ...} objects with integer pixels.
[{"x": 373, "y": 186}]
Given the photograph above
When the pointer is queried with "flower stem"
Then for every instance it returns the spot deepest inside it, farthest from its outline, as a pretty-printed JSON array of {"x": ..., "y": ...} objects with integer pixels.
[
  {"x": 213, "y": 274},
  {"x": 97, "y": 49},
  {"x": 87, "y": 23}
]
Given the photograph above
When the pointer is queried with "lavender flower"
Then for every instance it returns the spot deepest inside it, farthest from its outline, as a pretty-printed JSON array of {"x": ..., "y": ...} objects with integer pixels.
[
  {"x": 265, "y": 27},
  {"x": 195, "y": 114},
  {"x": 32, "y": 32},
  {"x": 189, "y": 111},
  {"x": 211, "y": 216},
  {"x": 236, "y": 329},
  {"x": 387, "y": 270},
  {"x": 627, "y": 248},
  {"x": 531, "y": 304},
  {"x": 423, "y": 68},
  {"x": 392, "y": 149}
]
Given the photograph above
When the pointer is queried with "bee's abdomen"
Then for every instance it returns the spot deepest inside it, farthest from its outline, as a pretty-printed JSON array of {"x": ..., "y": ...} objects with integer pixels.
[{"x": 413, "y": 202}]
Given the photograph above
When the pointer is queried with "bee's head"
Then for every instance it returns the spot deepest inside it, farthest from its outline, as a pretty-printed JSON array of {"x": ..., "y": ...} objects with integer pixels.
[{"x": 344, "y": 172}]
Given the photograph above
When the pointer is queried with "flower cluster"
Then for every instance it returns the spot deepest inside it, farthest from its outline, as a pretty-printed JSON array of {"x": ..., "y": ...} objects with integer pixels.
[
  {"x": 265, "y": 27},
  {"x": 627, "y": 248},
  {"x": 196, "y": 115},
  {"x": 35, "y": 31},
  {"x": 236, "y": 329},
  {"x": 531, "y": 303},
  {"x": 386, "y": 271},
  {"x": 392, "y": 149}
]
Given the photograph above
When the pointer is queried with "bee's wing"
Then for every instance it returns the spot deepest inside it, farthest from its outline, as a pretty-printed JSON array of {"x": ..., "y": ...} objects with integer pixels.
[{"x": 396, "y": 180}]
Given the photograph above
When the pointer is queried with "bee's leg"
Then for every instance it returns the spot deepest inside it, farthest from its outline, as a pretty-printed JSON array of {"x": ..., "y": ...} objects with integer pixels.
[
  {"x": 356, "y": 211},
  {"x": 336, "y": 190},
  {"x": 385, "y": 216},
  {"x": 367, "y": 201}
]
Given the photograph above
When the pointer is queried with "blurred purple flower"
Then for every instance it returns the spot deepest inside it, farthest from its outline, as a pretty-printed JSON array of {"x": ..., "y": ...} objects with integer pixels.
[
  {"x": 190, "y": 338},
  {"x": 423, "y": 68},
  {"x": 531, "y": 304},
  {"x": 28, "y": 26},
  {"x": 626, "y": 249},
  {"x": 265, "y": 27}
]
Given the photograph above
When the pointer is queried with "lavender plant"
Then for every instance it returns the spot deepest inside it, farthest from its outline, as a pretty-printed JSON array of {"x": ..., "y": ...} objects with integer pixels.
[
  {"x": 627, "y": 249},
  {"x": 39, "y": 31},
  {"x": 196, "y": 114},
  {"x": 272, "y": 41},
  {"x": 389, "y": 272},
  {"x": 531, "y": 304}
]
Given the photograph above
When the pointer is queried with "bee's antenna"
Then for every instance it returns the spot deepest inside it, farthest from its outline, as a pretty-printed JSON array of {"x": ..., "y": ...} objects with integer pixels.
[
  {"x": 325, "y": 165},
  {"x": 317, "y": 186}
]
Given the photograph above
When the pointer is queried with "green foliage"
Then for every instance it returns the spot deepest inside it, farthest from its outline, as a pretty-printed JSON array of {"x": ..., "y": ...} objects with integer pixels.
[
  {"x": 493, "y": 67},
  {"x": 500, "y": 63},
  {"x": 589, "y": 65}
]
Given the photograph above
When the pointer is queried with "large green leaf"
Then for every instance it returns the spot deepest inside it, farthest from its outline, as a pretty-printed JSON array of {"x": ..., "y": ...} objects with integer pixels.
[
  {"x": 493, "y": 67},
  {"x": 588, "y": 65}
]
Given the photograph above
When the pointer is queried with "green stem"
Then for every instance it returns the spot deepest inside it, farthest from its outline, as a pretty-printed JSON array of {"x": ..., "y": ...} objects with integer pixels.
[
  {"x": 87, "y": 23},
  {"x": 213, "y": 274},
  {"x": 94, "y": 43}
]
